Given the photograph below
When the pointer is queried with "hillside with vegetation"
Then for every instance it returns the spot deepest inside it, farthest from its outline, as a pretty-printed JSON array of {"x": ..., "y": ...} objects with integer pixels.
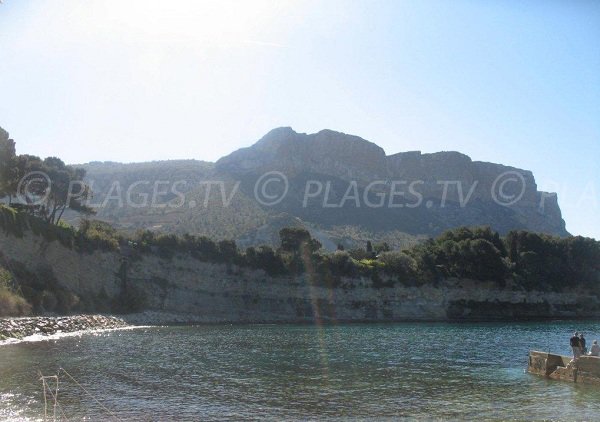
[
  {"x": 244, "y": 236},
  {"x": 518, "y": 261},
  {"x": 335, "y": 160}
]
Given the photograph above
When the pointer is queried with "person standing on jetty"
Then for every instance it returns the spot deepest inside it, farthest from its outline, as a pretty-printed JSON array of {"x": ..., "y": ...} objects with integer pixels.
[
  {"x": 582, "y": 344},
  {"x": 595, "y": 349},
  {"x": 575, "y": 345}
]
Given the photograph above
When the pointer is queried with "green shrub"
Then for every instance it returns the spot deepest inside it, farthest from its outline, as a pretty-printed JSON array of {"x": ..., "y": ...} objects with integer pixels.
[
  {"x": 400, "y": 264},
  {"x": 167, "y": 245},
  {"x": 360, "y": 254},
  {"x": 11, "y": 302},
  {"x": 341, "y": 263},
  {"x": 97, "y": 235}
]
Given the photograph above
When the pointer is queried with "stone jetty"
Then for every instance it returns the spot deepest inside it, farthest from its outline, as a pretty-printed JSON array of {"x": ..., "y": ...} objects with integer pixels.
[
  {"x": 584, "y": 370},
  {"x": 22, "y": 327}
]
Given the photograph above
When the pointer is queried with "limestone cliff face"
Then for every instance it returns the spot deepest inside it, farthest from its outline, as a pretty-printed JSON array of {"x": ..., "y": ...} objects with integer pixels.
[
  {"x": 482, "y": 183},
  {"x": 456, "y": 190},
  {"x": 327, "y": 152},
  {"x": 83, "y": 274},
  {"x": 217, "y": 293},
  {"x": 3, "y": 135}
]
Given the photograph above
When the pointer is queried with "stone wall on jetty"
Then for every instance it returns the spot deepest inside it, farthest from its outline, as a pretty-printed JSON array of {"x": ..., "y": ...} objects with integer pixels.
[
  {"x": 210, "y": 292},
  {"x": 584, "y": 370},
  {"x": 23, "y": 327}
]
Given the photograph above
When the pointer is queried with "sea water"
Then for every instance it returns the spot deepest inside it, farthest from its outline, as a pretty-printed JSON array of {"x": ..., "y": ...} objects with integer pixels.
[{"x": 412, "y": 370}]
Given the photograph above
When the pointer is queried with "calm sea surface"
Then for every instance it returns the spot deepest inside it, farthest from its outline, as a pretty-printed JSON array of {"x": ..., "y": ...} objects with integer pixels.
[{"x": 425, "y": 371}]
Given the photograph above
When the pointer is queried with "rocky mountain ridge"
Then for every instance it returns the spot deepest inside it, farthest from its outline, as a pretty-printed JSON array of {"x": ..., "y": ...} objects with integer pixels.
[{"x": 449, "y": 188}]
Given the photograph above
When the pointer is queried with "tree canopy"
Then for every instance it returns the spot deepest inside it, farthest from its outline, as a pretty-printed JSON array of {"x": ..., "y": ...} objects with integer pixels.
[{"x": 44, "y": 188}]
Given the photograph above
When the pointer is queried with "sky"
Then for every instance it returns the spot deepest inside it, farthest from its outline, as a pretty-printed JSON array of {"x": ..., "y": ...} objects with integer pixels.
[{"x": 512, "y": 82}]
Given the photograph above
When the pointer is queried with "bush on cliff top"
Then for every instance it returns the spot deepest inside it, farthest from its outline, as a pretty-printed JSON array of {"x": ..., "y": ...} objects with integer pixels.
[
  {"x": 91, "y": 236},
  {"x": 11, "y": 302}
]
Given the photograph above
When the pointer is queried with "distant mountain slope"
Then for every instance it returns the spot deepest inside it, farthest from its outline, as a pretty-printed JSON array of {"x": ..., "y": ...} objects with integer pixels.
[{"x": 423, "y": 194}]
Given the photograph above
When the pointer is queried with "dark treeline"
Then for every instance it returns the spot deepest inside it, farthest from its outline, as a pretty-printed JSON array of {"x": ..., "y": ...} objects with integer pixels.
[{"x": 526, "y": 260}]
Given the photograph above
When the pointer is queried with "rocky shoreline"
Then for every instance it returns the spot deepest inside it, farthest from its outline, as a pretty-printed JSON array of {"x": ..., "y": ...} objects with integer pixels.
[
  {"x": 21, "y": 327},
  {"x": 18, "y": 328}
]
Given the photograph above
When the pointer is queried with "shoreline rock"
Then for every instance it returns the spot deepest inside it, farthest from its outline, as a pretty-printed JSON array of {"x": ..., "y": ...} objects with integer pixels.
[{"x": 18, "y": 328}]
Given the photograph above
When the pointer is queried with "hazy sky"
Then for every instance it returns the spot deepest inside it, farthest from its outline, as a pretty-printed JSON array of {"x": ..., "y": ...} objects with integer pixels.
[{"x": 515, "y": 82}]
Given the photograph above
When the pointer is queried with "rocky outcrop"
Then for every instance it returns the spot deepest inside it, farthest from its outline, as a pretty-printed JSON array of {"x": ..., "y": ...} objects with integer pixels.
[
  {"x": 450, "y": 189},
  {"x": 19, "y": 328},
  {"x": 487, "y": 189},
  {"x": 453, "y": 191},
  {"x": 327, "y": 152}
]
